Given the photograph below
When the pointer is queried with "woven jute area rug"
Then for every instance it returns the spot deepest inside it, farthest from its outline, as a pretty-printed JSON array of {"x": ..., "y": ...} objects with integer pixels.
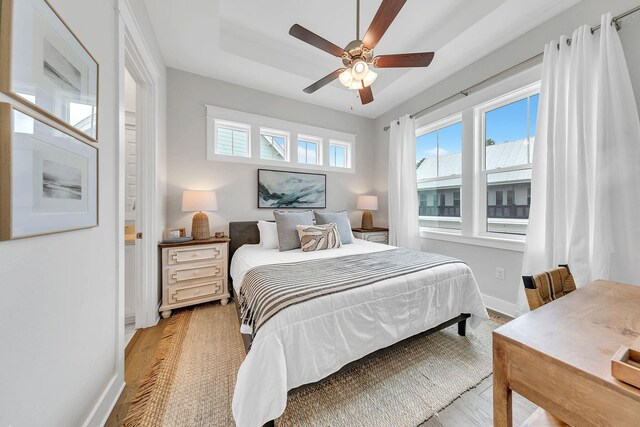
[{"x": 191, "y": 380}]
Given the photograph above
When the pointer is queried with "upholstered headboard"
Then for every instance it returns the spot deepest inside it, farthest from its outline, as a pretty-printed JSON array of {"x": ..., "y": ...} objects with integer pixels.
[{"x": 242, "y": 233}]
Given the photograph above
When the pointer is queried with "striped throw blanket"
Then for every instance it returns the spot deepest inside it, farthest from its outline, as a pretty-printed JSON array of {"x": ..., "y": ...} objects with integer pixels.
[{"x": 269, "y": 289}]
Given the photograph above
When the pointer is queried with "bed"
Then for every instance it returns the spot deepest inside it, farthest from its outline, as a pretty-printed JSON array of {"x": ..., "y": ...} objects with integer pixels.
[{"x": 311, "y": 340}]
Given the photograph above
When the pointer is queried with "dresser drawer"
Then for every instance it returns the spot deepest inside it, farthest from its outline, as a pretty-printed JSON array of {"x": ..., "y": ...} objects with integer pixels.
[
  {"x": 378, "y": 238},
  {"x": 184, "y": 273},
  {"x": 196, "y": 291},
  {"x": 193, "y": 254}
]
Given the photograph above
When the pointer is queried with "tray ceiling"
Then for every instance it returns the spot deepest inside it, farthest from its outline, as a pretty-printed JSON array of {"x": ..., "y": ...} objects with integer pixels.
[{"x": 247, "y": 42}]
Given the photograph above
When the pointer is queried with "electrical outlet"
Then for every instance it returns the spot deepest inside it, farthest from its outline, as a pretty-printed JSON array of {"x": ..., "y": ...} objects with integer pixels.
[{"x": 500, "y": 273}]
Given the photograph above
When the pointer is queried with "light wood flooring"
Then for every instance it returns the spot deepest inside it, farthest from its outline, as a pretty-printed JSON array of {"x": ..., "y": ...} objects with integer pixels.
[{"x": 473, "y": 409}]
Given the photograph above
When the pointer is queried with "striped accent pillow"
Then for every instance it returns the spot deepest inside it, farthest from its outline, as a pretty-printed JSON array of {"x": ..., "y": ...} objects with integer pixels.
[{"x": 318, "y": 237}]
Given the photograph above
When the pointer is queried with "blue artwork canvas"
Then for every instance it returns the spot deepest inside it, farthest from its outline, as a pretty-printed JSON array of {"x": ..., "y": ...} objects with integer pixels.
[{"x": 279, "y": 189}]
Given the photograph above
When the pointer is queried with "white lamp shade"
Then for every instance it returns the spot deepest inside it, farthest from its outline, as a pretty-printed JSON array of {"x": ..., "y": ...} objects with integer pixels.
[
  {"x": 367, "y": 203},
  {"x": 195, "y": 201}
]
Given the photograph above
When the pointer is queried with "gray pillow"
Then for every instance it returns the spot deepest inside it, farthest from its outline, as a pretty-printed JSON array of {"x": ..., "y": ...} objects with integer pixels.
[
  {"x": 341, "y": 219},
  {"x": 287, "y": 232}
]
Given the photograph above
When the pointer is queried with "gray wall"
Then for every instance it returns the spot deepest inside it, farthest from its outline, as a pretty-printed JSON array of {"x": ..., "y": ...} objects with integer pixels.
[
  {"x": 235, "y": 183},
  {"x": 483, "y": 260}
]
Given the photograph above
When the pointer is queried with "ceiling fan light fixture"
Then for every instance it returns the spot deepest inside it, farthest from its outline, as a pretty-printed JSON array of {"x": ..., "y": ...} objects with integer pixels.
[
  {"x": 359, "y": 69},
  {"x": 369, "y": 78},
  {"x": 346, "y": 78}
]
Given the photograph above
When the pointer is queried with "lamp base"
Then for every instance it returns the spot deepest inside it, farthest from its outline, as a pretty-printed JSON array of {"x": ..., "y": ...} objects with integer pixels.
[
  {"x": 200, "y": 226},
  {"x": 367, "y": 220}
]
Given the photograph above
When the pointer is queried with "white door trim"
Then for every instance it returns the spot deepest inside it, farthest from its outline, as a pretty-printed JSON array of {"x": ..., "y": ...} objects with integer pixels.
[{"x": 137, "y": 58}]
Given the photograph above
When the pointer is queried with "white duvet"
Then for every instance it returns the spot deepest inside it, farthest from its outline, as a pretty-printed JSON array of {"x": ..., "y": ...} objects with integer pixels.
[{"x": 309, "y": 341}]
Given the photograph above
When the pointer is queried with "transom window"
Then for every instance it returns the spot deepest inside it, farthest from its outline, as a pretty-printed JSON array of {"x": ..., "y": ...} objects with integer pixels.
[
  {"x": 339, "y": 154},
  {"x": 274, "y": 145},
  {"x": 240, "y": 137},
  {"x": 439, "y": 173},
  {"x": 309, "y": 150},
  {"x": 232, "y": 139}
]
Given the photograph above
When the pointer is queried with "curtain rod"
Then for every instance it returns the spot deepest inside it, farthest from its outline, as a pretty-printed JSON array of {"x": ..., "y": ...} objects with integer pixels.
[{"x": 534, "y": 58}]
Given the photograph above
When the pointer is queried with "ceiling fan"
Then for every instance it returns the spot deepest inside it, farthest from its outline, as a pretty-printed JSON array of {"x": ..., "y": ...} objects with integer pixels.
[{"x": 357, "y": 56}]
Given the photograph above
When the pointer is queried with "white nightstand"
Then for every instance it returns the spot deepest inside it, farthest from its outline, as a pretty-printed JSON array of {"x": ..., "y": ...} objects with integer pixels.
[
  {"x": 377, "y": 234},
  {"x": 194, "y": 272}
]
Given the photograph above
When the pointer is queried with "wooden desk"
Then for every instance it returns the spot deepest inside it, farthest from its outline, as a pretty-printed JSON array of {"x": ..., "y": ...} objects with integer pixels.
[{"x": 559, "y": 357}]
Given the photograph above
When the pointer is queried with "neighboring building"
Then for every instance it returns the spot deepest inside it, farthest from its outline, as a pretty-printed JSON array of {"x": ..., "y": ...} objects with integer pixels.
[
  {"x": 508, "y": 193},
  {"x": 233, "y": 142}
]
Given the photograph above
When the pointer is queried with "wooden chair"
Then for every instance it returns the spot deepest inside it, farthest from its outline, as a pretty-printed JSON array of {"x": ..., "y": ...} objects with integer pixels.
[{"x": 547, "y": 286}]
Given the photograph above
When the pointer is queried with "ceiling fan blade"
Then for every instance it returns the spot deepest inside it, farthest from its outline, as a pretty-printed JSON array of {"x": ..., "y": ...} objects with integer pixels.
[
  {"x": 313, "y": 39},
  {"x": 366, "y": 96},
  {"x": 324, "y": 81},
  {"x": 422, "y": 59},
  {"x": 384, "y": 17}
]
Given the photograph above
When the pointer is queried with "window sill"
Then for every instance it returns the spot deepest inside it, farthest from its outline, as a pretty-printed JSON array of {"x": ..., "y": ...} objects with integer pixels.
[
  {"x": 515, "y": 245},
  {"x": 278, "y": 163}
]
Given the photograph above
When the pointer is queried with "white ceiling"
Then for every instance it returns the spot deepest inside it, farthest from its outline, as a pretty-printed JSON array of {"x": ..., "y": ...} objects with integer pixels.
[{"x": 247, "y": 42}]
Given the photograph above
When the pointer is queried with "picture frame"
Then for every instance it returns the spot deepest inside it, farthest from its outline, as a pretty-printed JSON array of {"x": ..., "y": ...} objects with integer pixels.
[
  {"x": 48, "y": 177},
  {"x": 175, "y": 233},
  {"x": 291, "y": 190},
  {"x": 45, "y": 67}
]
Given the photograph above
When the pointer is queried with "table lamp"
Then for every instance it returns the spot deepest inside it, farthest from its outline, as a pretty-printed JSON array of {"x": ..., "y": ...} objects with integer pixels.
[
  {"x": 368, "y": 204},
  {"x": 199, "y": 201}
]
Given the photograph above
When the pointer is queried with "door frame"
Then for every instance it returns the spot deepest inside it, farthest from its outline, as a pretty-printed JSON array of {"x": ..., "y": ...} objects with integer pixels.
[{"x": 134, "y": 54}]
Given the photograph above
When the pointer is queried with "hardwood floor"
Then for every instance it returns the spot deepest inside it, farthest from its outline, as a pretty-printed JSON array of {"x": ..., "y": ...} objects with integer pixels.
[{"x": 473, "y": 409}]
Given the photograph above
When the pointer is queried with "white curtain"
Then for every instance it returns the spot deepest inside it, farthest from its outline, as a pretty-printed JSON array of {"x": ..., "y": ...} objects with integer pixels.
[
  {"x": 585, "y": 196},
  {"x": 404, "y": 228}
]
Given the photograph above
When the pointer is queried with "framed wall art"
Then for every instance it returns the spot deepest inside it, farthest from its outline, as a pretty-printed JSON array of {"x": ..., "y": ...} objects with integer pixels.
[
  {"x": 280, "y": 189},
  {"x": 46, "y": 67},
  {"x": 48, "y": 178}
]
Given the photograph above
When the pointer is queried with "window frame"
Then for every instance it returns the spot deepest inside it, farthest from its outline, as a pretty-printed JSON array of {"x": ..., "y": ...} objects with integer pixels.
[
  {"x": 319, "y": 149},
  {"x": 233, "y": 126},
  {"x": 470, "y": 204},
  {"x": 433, "y": 127},
  {"x": 278, "y": 127},
  {"x": 347, "y": 153},
  {"x": 481, "y": 191},
  {"x": 278, "y": 134}
]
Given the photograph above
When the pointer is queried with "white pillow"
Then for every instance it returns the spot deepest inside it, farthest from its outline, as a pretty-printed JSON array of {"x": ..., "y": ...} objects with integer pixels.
[{"x": 268, "y": 234}]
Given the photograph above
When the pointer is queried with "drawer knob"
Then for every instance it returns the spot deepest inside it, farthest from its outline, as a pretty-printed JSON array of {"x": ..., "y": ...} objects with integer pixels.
[
  {"x": 196, "y": 272},
  {"x": 195, "y": 254}
]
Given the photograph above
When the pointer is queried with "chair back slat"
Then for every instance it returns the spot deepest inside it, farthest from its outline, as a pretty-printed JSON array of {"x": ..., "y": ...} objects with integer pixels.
[{"x": 548, "y": 286}]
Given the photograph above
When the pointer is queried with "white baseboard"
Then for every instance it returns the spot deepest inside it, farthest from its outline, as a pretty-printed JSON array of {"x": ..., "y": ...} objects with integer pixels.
[
  {"x": 102, "y": 409},
  {"x": 501, "y": 306}
]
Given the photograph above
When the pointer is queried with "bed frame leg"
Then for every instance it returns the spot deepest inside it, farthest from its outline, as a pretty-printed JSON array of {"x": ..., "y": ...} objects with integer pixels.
[
  {"x": 462, "y": 327},
  {"x": 269, "y": 424}
]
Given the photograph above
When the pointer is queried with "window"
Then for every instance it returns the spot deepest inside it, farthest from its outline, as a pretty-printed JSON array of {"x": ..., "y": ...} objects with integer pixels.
[
  {"x": 274, "y": 145},
  {"x": 339, "y": 155},
  {"x": 439, "y": 173},
  {"x": 509, "y": 125},
  {"x": 309, "y": 150},
  {"x": 240, "y": 137},
  {"x": 232, "y": 139}
]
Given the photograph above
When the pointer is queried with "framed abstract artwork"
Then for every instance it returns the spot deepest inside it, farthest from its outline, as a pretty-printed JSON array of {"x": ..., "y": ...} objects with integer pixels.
[
  {"x": 280, "y": 189},
  {"x": 48, "y": 178},
  {"x": 44, "y": 66}
]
